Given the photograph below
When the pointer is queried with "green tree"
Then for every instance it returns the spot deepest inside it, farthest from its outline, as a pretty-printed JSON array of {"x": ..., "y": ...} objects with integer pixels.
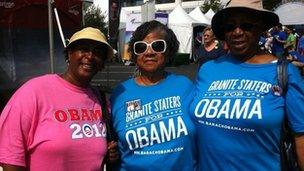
[
  {"x": 95, "y": 17},
  {"x": 215, "y": 5},
  {"x": 271, "y": 4}
]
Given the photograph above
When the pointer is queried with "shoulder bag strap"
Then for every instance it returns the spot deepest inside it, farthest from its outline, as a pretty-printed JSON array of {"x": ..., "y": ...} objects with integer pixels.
[
  {"x": 282, "y": 74},
  {"x": 105, "y": 113}
]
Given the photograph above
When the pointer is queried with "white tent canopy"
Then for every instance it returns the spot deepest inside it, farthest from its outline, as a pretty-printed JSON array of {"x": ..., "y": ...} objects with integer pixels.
[
  {"x": 179, "y": 17},
  {"x": 209, "y": 14},
  {"x": 199, "y": 16},
  {"x": 291, "y": 13},
  {"x": 182, "y": 25}
]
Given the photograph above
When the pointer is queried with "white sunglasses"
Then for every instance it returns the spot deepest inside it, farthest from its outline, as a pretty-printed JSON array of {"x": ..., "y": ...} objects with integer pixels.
[{"x": 157, "y": 46}]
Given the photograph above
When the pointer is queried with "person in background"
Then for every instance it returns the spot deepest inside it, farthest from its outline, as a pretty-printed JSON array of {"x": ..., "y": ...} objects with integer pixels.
[
  {"x": 291, "y": 40},
  {"x": 300, "y": 48},
  {"x": 262, "y": 40},
  {"x": 150, "y": 112},
  {"x": 55, "y": 121},
  {"x": 210, "y": 49},
  {"x": 279, "y": 40},
  {"x": 268, "y": 42},
  {"x": 295, "y": 58},
  {"x": 238, "y": 108}
]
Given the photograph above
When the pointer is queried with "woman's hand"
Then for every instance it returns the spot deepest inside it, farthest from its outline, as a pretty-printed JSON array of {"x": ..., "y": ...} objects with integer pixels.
[
  {"x": 8, "y": 167},
  {"x": 113, "y": 152},
  {"x": 300, "y": 150}
]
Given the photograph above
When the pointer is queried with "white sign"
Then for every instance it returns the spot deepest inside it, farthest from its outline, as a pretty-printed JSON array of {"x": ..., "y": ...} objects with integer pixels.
[
  {"x": 133, "y": 21},
  {"x": 162, "y": 17}
]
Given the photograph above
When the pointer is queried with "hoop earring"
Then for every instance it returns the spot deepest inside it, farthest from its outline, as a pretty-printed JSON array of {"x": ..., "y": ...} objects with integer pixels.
[
  {"x": 136, "y": 72},
  {"x": 67, "y": 61}
]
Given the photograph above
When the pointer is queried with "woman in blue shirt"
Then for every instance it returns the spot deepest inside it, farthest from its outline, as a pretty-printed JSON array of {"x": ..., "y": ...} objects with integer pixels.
[
  {"x": 150, "y": 112},
  {"x": 238, "y": 108}
]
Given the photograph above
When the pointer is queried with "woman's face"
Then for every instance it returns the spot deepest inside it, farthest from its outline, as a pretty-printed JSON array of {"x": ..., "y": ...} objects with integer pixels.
[
  {"x": 242, "y": 34},
  {"x": 208, "y": 36},
  {"x": 153, "y": 59},
  {"x": 86, "y": 58}
]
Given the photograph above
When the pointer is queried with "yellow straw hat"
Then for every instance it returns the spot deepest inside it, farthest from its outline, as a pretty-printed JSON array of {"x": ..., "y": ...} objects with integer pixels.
[{"x": 90, "y": 33}]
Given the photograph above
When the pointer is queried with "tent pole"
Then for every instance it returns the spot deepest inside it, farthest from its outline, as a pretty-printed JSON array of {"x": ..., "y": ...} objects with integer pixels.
[
  {"x": 51, "y": 34},
  {"x": 59, "y": 27}
]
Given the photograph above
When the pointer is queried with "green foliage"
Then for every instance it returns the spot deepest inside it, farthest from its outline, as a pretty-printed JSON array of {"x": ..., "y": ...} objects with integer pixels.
[
  {"x": 94, "y": 17},
  {"x": 271, "y": 4},
  {"x": 215, "y": 5}
]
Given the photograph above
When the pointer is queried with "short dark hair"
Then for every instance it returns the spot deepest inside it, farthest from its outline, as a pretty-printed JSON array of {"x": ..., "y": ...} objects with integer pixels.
[
  {"x": 280, "y": 25},
  {"x": 148, "y": 27}
]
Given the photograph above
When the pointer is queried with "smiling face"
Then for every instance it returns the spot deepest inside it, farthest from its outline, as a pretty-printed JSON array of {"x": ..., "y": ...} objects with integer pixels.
[
  {"x": 151, "y": 61},
  {"x": 242, "y": 34},
  {"x": 86, "y": 58}
]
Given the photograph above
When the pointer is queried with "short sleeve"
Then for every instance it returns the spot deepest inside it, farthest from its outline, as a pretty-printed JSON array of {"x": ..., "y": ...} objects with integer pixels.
[
  {"x": 15, "y": 125},
  {"x": 295, "y": 100}
]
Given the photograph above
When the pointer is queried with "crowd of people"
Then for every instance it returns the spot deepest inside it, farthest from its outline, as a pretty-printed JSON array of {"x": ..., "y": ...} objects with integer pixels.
[
  {"x": 229, "y": 118},
  {"x": 279, "y": 40},
  {"x": 285, "y": 42}
]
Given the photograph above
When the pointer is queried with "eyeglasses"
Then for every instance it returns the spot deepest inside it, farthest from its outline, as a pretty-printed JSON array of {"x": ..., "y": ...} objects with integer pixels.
[
  {"x": 157, "y": 46},
  {"x": 243, "y": 26}
]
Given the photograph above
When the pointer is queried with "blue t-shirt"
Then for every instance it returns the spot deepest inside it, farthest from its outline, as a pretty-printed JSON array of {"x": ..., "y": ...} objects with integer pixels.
[
  {"x": 301, "y": 44},
  {"x": 278, "y": 47},
  {"x": 238, "y": 112},
  {"x": 153, "y": 125},
  {"x": 297, "y": 56}
]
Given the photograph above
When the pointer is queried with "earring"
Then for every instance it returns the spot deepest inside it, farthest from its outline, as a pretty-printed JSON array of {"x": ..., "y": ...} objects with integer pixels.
[
  {"x": 136, "y": 72},
  {"x": 67, "y": 61}
]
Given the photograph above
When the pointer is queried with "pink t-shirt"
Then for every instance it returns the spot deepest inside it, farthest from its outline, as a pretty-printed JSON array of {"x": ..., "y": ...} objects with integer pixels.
[{"x": 50, "y": 124}]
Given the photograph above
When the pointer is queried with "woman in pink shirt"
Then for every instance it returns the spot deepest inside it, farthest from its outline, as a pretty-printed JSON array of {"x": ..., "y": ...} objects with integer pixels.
[{"x": 55, "y": 121}]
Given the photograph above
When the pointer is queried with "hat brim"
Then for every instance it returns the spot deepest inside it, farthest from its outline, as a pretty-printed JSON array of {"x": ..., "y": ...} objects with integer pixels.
[
  {"x": 268, "y": 18},
  {"x": 110, "y": 51}
]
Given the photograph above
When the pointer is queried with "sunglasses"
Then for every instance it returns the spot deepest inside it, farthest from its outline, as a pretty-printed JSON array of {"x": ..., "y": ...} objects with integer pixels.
[
  {"x": 243, "y": 26},
  {"x": 157, "y": 46}
]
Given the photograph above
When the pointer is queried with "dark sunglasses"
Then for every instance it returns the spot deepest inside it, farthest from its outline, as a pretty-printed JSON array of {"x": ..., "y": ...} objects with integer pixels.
[
  {"x": 157, "y": 46},
  {"x": 243, "y": 26},
  {"x": 98, "y": 50}
]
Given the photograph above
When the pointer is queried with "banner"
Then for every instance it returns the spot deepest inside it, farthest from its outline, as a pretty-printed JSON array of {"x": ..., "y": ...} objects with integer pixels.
[
  {"x": 133, "y": 20},
  {"x": 162, "y": 17}
]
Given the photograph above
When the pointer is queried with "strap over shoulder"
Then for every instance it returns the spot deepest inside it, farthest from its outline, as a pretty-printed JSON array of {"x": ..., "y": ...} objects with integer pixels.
[
  {"x": 282, "y": 74},
  {"x": 106, "y": 116}
]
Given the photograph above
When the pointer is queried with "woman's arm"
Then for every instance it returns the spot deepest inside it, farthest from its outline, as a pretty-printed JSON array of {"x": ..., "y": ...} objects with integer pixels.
[
  {"x": 7, "y": 167},
  {"x": 299, "y": 140}
]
